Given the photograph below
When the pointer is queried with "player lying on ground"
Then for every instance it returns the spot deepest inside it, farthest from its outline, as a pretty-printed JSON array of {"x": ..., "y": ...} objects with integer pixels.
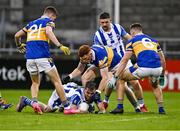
[{"x": 74, "y": 93}]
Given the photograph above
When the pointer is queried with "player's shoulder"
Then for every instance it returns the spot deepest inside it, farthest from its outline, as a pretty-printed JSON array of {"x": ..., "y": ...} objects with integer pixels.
[
  {"x": 118, "y": 25},
  {"x": 151, "y": 38}
]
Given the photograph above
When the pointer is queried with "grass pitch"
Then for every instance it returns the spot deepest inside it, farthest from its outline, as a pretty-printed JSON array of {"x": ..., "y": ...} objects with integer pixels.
[{"x": 28, "y": 120}]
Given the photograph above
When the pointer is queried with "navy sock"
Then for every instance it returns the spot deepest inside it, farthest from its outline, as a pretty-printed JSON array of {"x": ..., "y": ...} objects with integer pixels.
[
  {"x": 28, "y": 101},
  {"x": 120, "y": 106}
]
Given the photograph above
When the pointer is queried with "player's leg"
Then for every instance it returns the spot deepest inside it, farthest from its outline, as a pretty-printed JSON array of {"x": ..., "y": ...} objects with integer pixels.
[
  {"x": 132, "y": 98},
  {"x": 108, "y": 91},
  {"x": 133, "y": 74},
  {"x": 128, "y": 76},
  {"x": 120, "y": 89},
  {"x": 55, "y": 78},
  {"x": 4, "y": 104},
  {"x": 35, "y": 78},
  {"x": 45, "y": 108},
  {"x": 139, "y": 94},
  {"x": 158, "y": 94},
  {"x": 25, "y": 101},
  {"x": 89, "y": 74}
]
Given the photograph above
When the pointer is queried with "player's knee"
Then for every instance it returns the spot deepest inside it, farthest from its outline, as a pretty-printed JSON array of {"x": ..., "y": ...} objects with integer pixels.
[
  {"x": 35, "y": 84},
  {"x": 135, "y": 84},
  {"x": 154, "y": 84}
]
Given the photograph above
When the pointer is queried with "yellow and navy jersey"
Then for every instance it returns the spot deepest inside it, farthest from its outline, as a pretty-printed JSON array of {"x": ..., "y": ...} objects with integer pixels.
[
  {"x": 37, "y": 45},
  {"x": 146, "y": 50},
  {"x": 105, "y": 56}
]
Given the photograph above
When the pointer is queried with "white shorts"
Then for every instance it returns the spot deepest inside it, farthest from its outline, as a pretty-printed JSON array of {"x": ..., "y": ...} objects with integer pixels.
[
  {"x": 38, "y": 65},
  {"x": 142, "y": 72}
]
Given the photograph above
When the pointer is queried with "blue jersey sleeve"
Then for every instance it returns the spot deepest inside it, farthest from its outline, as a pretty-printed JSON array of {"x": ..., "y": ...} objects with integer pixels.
[{"x": 123, "y": 32}]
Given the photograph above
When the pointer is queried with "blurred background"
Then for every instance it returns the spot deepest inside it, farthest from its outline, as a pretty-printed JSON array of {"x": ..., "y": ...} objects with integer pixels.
[{"x": 76, "y": 25}]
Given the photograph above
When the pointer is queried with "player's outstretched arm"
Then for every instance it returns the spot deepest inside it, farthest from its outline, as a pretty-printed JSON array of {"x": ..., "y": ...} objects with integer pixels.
[
  {"x": 53, "y": 38},
  {"x": 75, "y": 73},
  {"x": 21, "y": 46}
]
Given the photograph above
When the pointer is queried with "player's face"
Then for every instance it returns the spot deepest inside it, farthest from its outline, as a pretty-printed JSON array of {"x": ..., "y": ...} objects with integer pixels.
[
  {"x": 52, "y": 16},
  {"x": 88, "y": 93},
  {"x": 132, "y": 32},
  {"x": 105, "y": 24},
  {"x": 86, "y": 58}
]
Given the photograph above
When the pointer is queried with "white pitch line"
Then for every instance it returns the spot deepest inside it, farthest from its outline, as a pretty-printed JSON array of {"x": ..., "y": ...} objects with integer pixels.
[{"x": 130, "y": 119}]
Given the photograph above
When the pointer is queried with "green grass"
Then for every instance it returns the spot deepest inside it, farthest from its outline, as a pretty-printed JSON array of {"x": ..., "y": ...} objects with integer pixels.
[{"x": 28, "y": 120}]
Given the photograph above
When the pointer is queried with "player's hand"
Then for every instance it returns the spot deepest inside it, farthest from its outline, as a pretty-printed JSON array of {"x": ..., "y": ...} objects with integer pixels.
[
  {"x": 112, "y": 82},
  {"x": 22, "y": 48},
  {"x": 66, "y": 79},
  {"x": 65, "y": 49},
  {"x": 91, "y": 108}
]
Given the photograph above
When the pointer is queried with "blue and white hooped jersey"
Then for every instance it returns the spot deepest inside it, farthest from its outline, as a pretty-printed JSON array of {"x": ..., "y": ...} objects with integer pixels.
[
  {"x": 111, "y": 39},
  {"x": 104, "y": 56},
  {"x": 146, "y": 50},
  {"x": 37, "y": 45},
  {"x": 72, "y": 95}
]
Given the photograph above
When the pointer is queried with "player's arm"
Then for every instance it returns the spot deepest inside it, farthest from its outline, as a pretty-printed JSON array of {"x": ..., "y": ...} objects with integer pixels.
[
  {"x": 127, "y": 36},
  {"x": 104, "y": 80},
  {"x": 18, "y": 35},
  {"x": 124, "y": 34},
  {"x": 123, "y": 63},
  {"x": 163, "y": 61},
  {"x": 75, "y": 73},
  {"x": 78, "y": 71},
  {"x": 101, "y": 108},
  {"x": 52, "y": 37}
]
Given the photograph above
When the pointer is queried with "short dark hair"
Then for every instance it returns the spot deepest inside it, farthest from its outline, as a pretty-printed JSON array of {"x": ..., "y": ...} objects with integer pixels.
[
  {"x": 104, "y": 15},
  {"x": 51, "y": 9},
  {"x": 83, "y": 50},
  {"x": 91, "y": 85},
  {"x": 136, "y": 26}
]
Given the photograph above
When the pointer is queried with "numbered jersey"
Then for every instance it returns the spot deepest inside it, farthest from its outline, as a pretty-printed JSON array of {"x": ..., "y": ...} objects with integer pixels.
[
  {"x": 111, "y": 39},
  {"x": 37, "y": 45},
  {"x": 146, "y": 50},
  {"x": 104, "y": 57}
]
